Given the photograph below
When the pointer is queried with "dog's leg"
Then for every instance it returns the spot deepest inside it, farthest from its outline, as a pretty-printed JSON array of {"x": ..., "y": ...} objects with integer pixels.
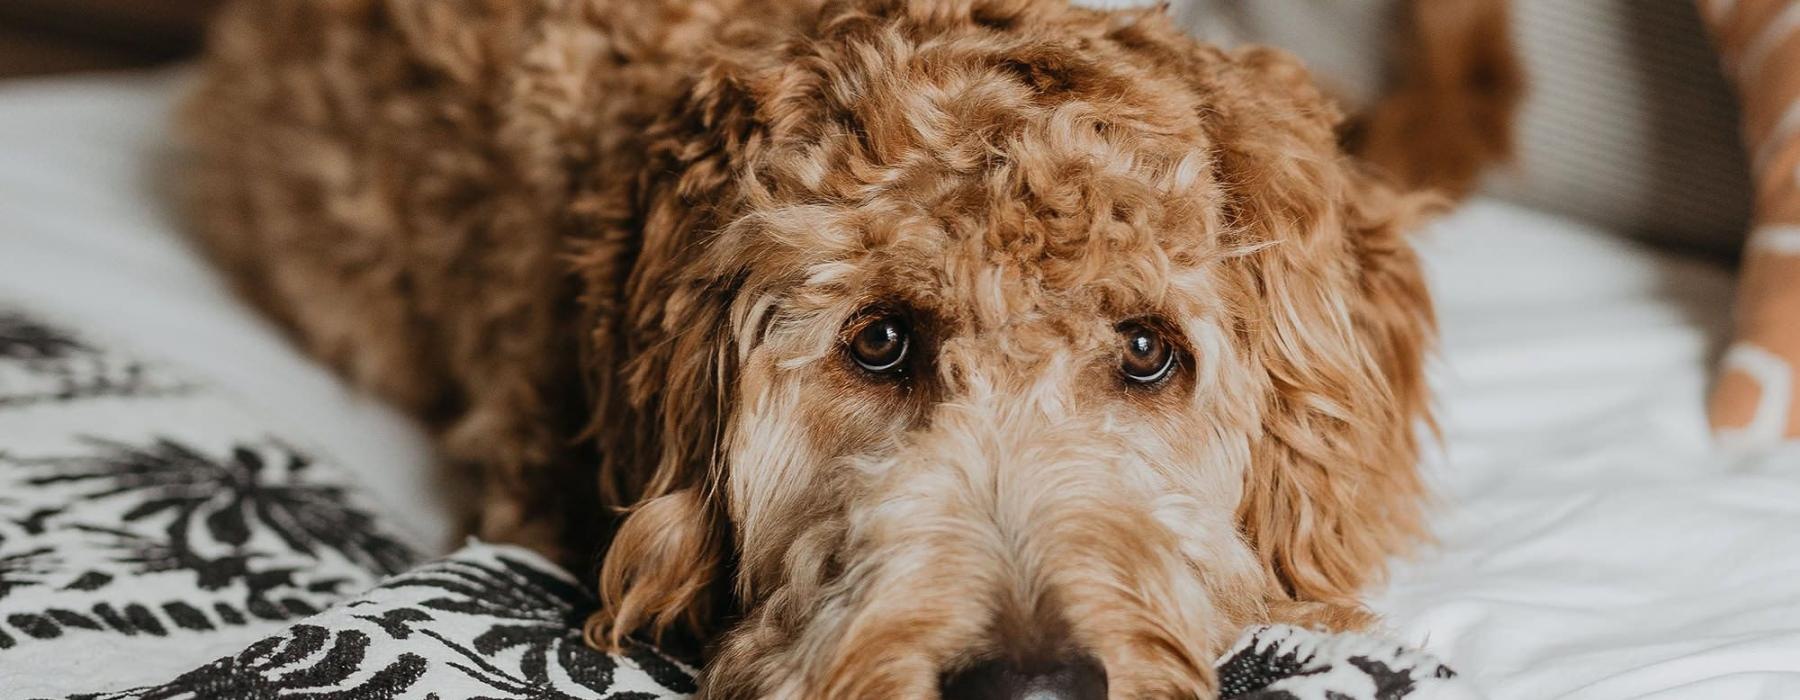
[{"x": 1337, "y": 617}]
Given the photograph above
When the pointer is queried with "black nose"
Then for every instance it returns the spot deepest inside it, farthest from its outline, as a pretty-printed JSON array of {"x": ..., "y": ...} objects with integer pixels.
[{"x": 1078, "y": 678}]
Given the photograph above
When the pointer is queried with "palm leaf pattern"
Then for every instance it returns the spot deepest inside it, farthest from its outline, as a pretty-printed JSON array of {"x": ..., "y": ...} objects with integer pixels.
[
  {"x": 484, "y": 624},
  {"x": 527, "y": 609},
  {"x": 59, "y": 367},
  {"x": 221, "y": 496},
  {"x": 310, "y": 661},
  {"x": 24, "y": 339},
  {"x": 523, "y": 607},
  {"x": 22, "y": 569}
]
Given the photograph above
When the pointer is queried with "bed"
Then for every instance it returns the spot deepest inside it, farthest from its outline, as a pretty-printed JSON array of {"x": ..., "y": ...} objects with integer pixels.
[{"x": 1591, "y": 542}]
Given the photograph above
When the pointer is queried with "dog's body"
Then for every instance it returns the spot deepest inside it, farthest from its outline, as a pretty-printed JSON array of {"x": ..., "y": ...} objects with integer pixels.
[{"x": 652, "y": 258}]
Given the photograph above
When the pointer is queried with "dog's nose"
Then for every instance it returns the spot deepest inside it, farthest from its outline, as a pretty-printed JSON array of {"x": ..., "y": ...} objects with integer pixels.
[{"x": 1078, "y": 678}]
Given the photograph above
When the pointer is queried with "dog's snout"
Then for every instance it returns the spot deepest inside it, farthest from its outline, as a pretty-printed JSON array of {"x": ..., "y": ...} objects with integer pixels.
[{"x": 1075, "y": 678}]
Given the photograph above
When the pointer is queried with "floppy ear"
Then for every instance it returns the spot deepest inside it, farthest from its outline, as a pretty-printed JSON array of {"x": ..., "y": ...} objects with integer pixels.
[
  {"x": 1340, "y": 326},
  {"x": 661, "y": 356}
]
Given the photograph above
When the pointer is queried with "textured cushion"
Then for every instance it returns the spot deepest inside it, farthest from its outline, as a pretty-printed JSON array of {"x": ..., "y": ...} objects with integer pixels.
[
  {"x": 157, "y": 541},
  {"x": 1759, "y": 41}
]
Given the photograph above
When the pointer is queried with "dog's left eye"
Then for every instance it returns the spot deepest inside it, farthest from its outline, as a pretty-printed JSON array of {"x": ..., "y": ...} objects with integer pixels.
[
  {"x": 880, "y": 345},
  {"x": 1148, "y": 357}
]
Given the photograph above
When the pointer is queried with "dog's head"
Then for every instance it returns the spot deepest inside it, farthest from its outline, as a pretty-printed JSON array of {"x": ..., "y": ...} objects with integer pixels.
[{"x": 971, "y": 340}]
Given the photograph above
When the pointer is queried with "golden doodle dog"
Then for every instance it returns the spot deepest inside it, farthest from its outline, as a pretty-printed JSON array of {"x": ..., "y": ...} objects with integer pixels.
[{"x": 897, "y": 348}]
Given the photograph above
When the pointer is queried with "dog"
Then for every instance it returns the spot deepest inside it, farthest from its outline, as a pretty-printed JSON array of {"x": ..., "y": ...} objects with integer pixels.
[{"x": 897, "y": 348}]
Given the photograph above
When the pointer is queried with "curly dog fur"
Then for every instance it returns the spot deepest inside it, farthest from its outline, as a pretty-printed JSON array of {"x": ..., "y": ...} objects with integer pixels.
[{"x": 613, "y": 250}]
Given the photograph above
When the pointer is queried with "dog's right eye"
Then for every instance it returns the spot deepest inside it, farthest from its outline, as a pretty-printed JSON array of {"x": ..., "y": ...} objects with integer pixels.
[
  {"x": 880, "y": 345},
  {"x": 1148, "y": 357}
]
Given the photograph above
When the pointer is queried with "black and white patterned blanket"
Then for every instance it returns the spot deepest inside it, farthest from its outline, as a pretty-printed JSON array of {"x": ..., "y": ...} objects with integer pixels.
[{"x": 156, "y": 542}]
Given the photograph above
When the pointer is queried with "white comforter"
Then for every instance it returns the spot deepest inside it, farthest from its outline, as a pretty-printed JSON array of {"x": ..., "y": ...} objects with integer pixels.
[{"x": 1591, "y": 542}]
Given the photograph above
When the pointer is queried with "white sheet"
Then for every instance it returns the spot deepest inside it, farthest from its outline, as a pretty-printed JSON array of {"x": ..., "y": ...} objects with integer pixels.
[
  {"x": 1592, "y": 544},
  {"x": 87, "y": 230}
]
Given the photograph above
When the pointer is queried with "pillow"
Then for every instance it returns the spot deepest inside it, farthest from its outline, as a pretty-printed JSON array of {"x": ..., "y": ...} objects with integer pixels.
[
  {"x": 1759, "y": 44},
  {"x": 158, "y": 541}
]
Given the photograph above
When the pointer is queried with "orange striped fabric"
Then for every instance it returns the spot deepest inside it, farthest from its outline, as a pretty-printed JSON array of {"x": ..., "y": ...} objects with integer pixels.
[{"x": 1754, "y": 402}]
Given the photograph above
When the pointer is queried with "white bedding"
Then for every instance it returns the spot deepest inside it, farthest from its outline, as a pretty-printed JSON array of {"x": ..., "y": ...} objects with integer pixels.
[
  {"x": 87, "y": 230},
  {"x": 1592, "y": 543}
]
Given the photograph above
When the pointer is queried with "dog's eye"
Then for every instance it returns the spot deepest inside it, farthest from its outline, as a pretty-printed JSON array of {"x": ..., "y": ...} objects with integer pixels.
[
  {"x": 880, "y": 345},
  {"x": 1148, "y": 357}
]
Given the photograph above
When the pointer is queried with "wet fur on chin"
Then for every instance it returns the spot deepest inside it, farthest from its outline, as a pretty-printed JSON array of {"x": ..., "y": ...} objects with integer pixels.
[{"x": 610, "y": 250}]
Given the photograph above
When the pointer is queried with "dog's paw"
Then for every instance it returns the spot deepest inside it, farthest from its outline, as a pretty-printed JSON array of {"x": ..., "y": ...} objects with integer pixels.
[{"x": 1335, "y": 617}]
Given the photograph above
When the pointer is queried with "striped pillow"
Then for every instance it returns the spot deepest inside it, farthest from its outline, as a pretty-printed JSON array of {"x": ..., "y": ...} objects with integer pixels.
[{"x": 1754, "y": 402}]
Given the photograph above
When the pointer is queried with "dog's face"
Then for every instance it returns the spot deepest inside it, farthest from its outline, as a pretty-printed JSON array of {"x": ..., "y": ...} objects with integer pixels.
[{"x": 974, "y": 345}]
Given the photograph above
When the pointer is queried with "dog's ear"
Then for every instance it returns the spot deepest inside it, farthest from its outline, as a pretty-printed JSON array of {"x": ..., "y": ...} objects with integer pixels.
[
  {"x": 658, "y": 287},
  {"x": 1340, "y": 322}
]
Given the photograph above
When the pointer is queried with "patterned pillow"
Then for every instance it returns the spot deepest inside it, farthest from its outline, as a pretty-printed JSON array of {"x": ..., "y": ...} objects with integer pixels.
[
  {"x": 157, "y": 542},
  {"x": 1754, "y": 402}
]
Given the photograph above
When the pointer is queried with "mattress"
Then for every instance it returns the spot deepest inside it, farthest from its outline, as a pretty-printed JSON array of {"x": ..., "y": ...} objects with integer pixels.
[{"x": 1591, "y": 542}]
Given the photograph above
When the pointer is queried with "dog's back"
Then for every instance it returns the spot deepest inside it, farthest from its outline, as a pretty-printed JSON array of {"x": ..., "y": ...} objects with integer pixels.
[{"x": 393, "y": 179}]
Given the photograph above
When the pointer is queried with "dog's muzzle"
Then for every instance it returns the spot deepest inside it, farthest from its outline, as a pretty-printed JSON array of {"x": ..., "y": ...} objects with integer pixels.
[{"x": 1077, "y": 678}]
